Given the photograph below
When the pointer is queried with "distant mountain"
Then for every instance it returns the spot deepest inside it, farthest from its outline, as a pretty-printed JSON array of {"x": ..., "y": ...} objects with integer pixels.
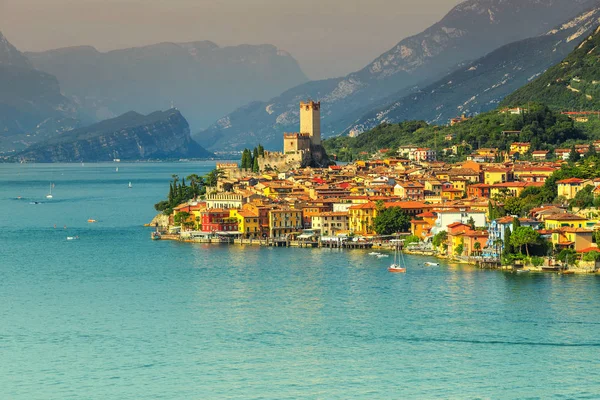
[
  {"x": 28, "y": 98},
  {"x": 131, "y": 136},
  {"x": 471, "y": 30},
  {"x": 573, "y": 84},
  {"x": 482, "y": 84},
  {"x": 203, "y": 80}
]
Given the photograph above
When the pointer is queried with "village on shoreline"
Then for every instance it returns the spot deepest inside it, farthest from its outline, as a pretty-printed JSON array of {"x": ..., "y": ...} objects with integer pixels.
[{"x": 492, "y": 209}]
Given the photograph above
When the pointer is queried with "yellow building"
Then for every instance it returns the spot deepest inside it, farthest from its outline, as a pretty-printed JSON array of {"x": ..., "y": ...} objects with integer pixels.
[
  {"x": 557, "y": 221},
  {"x": 513, "y": 189},
  {"x": 568, "y": 188},
  {"x": 496, "y": 175},
  {"x": 248, "y": 223},
  {"x": 361, "y": 218},
  {"x": 520, "y": 147},
  {"x": 460, "y": 184},
  {"x": 330, "y": 223},
  {"x": 573, "y": 238},
  {"x": 283, "y": 221}
]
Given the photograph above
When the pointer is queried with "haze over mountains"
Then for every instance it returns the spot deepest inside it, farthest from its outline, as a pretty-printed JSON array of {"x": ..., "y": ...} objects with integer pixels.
[
  {"x": 480, "y": 52},
  {"x": 28, "y": 98},
  {"x": 201, "y": 79},
  {"x": 469, "y": 31}
]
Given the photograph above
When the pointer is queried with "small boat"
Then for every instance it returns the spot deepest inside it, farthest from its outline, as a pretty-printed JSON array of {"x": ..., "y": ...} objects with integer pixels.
[
  {"x": 91, "y": 221},
  {"x": 34, "y": 202},
  {"x": 155, "y": 236},
  {"x": 130, "y": 185},
  {"x": 382, "y": 256},
  {"x": 117, "y": 169},
  {"x": 374, "y": 253},
  {"x": 522, "y": 271},
  {"x": 72, "y": 237},
  {"x": 431, "y": 264},
  {"x": 567, "y": 272},
  {"x": 396, "y": 267},
  {"x": 49, "y": 195}
]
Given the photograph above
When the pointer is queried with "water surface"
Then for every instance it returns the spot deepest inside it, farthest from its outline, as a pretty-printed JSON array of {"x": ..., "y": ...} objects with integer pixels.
[{"x": 116, "y": 315}]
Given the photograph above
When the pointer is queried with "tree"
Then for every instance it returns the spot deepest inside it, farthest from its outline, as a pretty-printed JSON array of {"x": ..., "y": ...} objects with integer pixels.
[
  {"x": 584, "y": 198},
  {"x": 524, "y": 236},
  {"x": 411, "y": 239},
  {"x": 440, "y": 238},
  {"x": 391, "y": 220},
  {"x": 181, "y": 217},
  {"x": 508, "y": 248},
  {"x": 574, "y": 156},
  {"x": 261, "y": 150},
  {"x": 212, "y": 178},
  {"x": 477, "y": 247},
  {"x": 255, "y": 166},
  {"x": 458, "y": 250},
  {"x": 471, "y": 222}
]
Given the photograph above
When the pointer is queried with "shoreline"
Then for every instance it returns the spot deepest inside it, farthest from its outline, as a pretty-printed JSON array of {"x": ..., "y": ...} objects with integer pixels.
[{"x": 379, "y": 246}]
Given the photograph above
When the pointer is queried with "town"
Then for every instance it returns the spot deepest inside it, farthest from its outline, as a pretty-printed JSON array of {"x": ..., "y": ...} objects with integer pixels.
[{"x": 493, "y": 209}]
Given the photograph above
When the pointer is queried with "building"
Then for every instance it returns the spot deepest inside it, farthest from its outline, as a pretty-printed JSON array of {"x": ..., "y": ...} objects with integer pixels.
[
  {"x": 218, "y": 220},
  {"x": 330, "y": 223},
  {"x": 568, "y": 188},
  {"x": 567, "y": 220},
  {"x": 577, "y": 239},
  {"x": 422, "y": 155},
  {"x": 520, "y": 147},
  {"x": 300, "y": 149},
  {"x": 360, "y": 218},
  {"x": 445, "y": 218},
  {"x": 283, "y": 221},
  {"x": 248, "y": 224},
  {"x": 410, "y": 190},
  {"x": 224, "y": 200}
]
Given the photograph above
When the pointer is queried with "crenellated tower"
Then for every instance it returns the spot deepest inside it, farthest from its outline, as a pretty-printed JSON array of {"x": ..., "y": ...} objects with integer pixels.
[{"x": 310, "y": 121}]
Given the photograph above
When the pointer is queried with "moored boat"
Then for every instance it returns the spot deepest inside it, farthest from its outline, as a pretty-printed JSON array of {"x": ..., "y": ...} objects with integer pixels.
[
  {"x": 155, "y": 236},
  {"x": 431, "y": 264},
  {"x": 91, "y": 221},
  {"x": 396, "y": 267}
]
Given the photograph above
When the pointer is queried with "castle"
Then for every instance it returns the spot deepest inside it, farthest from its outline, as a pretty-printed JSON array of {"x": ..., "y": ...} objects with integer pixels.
[{"x": 300, "y": 149}]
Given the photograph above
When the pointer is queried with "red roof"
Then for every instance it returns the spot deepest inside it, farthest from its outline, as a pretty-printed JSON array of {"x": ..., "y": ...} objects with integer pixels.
[{"x": 570, "y": 180}]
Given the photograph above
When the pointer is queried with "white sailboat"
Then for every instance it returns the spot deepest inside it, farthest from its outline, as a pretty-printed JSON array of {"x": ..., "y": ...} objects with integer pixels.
[
  {"x": 396, "y": 267},
  {"x": 117, "y": 169},
  {"x": 130, "y": 185},
  {"x": 49, "y": 195}
]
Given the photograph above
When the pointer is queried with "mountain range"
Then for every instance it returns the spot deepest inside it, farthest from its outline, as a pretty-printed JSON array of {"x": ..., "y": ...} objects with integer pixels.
[
  {"x": 469, "y": 31},
  {"x": 201, "y": 79},
  {"x": 571, "y": 85},
  {"x": 481, "y": 85},
  {"x": 131, "y": 136},
  {"x": 28, "y": 97}
]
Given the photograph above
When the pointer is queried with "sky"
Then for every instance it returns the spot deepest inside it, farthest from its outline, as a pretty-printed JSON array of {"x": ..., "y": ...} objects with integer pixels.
[{"x": 329, "y": 38}]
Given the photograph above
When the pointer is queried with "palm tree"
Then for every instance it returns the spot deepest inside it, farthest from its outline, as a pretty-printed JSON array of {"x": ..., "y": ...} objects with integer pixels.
[{"x": 477, "y": 247}]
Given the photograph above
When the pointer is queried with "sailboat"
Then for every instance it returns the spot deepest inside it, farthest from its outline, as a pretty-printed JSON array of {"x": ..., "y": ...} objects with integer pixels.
[
  {"x": 130, "y": 185},
  {"x": 117, "y": 169},
  {"x": 396, "y": 267},
  {"x": 49, "y": 195}
]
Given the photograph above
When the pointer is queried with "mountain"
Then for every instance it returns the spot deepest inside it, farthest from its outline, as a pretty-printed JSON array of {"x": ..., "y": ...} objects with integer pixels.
[
  {"x": 467, "y": 32},
  {"x": 482, "y": 84},
  {"x": 131, "y": 136},
  {"x": 202, "y": 79},
  {"x": 573, "y": 84},
  {"x": 27, "y": 98}
]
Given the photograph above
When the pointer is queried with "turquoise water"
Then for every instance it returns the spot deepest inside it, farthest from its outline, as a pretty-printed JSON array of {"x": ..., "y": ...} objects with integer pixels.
[{"x": 115, "y": 315}]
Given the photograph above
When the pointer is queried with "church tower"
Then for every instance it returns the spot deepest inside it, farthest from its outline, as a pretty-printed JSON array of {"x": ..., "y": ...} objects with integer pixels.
[{"x": 310, "y": 120}]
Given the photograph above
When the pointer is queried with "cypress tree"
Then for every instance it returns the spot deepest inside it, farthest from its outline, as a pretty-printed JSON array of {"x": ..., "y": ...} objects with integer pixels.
[
  {"x": 255, "y": 167},
  {"x": 261, "y": 150},
  {"x": 171, "y": 194},
  {"x": 507, "y": 246}
]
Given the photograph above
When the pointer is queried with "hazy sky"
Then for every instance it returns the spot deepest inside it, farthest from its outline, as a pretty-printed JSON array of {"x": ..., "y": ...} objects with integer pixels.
[{"x": 328, "y": 37}]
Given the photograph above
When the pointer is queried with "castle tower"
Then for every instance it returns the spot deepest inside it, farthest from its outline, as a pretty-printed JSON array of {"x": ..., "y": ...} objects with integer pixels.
[{"x": 310, "y": 120}]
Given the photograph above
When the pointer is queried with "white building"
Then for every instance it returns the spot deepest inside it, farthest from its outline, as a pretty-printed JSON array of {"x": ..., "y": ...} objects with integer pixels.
[{"x": 449, "y": 217}]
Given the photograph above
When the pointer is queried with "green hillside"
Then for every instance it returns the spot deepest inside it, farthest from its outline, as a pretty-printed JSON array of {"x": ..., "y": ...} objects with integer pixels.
[
  {"x": 573, "y": 84},
  {"x": 541, "y": 126}
]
